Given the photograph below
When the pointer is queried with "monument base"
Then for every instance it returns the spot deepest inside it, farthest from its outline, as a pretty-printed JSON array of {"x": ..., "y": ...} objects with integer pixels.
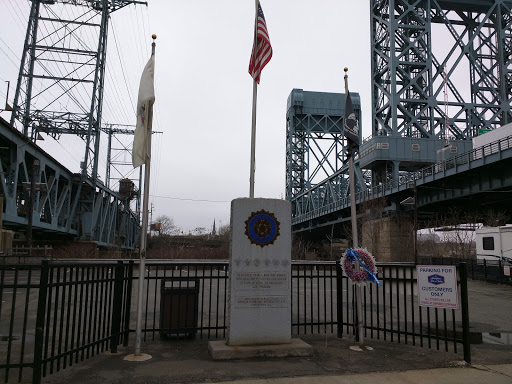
[{"x": 219, "y": 350}]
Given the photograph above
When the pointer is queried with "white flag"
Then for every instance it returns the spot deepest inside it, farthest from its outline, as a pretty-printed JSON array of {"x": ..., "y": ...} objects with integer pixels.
[{"x": 146, "y": 98}]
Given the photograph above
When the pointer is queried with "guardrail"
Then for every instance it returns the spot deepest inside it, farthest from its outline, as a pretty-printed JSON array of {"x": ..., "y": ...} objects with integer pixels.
[
  {"x": 56, "y": 314},
  {"x": 310, "y": 204}
]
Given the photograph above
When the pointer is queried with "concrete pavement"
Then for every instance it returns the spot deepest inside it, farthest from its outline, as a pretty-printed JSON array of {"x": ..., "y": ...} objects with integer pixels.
[
  {"x": 188, "y": 362},
  {"x": 493, "y": 374}
]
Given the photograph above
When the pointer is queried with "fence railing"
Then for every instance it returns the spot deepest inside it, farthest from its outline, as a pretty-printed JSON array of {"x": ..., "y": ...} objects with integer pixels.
[
  {"x": 314, "y": 203},
  {"x": 57, "y": 314},
  {"x": 54, "y": 315},
  {"x": 323, "y": 301},
  {"x": 492, "y": 271}
]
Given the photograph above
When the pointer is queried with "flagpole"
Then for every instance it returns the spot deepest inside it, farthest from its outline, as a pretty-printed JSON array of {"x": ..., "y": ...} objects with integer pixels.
[
  {"x": 254, "y": 99},
  {"x": 353, "y": 216},
  {"x": 352, "y": 181},
  {"x": 144, "y": 229}
]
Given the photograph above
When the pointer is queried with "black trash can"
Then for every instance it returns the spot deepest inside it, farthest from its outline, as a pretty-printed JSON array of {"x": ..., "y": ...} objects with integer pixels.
[{"x": 179, "y": 306}]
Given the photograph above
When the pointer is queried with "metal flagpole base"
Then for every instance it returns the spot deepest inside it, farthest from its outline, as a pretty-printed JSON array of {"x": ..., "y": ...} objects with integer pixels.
[
  {"x": 360, "y": 348},
  {"x": 137, "y": 357}
]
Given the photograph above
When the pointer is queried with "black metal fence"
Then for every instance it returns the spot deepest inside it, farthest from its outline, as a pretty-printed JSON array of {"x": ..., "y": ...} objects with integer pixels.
[
  {"x": 492, "y": 271},
  {"x": 323, "y": 301},
  {"x": 55, "y": 315}
]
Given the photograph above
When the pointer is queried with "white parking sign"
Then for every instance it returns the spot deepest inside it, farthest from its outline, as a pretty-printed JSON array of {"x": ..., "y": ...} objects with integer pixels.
[{"x": 437, "y": 286}]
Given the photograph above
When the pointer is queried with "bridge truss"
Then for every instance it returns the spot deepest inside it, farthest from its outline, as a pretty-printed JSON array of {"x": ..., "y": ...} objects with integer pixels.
[
  {"x": 441, "y": 75},
  {"x": 441, "y": 67},
  {"x": 316, "y": 147},
  {"x": 65, "y": 51}
]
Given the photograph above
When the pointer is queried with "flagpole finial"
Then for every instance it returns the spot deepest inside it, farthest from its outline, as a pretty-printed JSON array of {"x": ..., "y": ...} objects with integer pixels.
[
  {"x": 153, "y": 44},
  {"x": 345, "y": 69}
]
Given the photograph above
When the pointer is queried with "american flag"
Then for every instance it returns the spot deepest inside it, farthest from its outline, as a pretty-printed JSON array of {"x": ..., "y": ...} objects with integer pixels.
[{"x": 262, "y": 50}]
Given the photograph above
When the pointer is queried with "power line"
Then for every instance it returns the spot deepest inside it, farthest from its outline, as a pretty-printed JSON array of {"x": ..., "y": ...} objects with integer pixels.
[
  {"x": 195, "y": 200},
  {"x": 122, "y": 67}
]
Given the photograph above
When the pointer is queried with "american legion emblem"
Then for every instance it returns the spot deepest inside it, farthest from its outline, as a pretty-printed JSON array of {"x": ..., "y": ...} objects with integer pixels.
[{"x": 262, "y": 228}]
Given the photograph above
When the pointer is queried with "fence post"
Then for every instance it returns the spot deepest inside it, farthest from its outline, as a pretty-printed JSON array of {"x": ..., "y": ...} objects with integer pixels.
[
  {"x": 465, "y": 311},
  {"x": 339, "y": 297},
  {"x": 485, "y": 269},
  {"x": 500, "y": 271},
  {"x": 128, "y": 304},
  {"x": 117, "y": 307},
  {"x": 41, "y": 312}
]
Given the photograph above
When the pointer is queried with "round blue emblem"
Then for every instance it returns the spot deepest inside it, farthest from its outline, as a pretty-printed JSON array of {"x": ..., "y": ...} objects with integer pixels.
[{"x": 262, "y": 228}]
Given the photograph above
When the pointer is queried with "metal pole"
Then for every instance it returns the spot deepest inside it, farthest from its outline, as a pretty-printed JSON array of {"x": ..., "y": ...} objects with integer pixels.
[
  {"x": 253, "y": 139},
  {"x": 339, "y": 299},
  {"x": 144, "y": 230},
  {"x": 351, "y": 176},
  {"x": 7, "y": 96},
  {"x": 353, "y": 215},
  {"x": 30, "y": 208},
  {"x": 109, "y": 158},
  {"x": 254, "y": 98},
  {"x": 39, "y": 332},
  {"x": 415, "y": 240},
  {"x": 465, "y": 311}
]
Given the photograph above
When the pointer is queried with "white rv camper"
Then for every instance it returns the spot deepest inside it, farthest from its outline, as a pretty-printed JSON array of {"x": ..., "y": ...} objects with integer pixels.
[{"x": 494, "y": 243}]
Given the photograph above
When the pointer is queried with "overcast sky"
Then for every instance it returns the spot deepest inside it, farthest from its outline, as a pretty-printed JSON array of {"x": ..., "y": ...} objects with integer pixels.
[{"x": 204, "y": 92}]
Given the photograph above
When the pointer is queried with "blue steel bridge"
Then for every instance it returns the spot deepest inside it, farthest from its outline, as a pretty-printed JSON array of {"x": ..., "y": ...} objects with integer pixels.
[
  {"x": 475, "y": 181},
  {"x": 441, "y": 74},
  {"x": 100, "y": 214}
]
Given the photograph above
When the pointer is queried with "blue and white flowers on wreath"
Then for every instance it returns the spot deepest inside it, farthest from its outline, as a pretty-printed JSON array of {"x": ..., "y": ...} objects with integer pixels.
[{"x": 365, "y": 260}]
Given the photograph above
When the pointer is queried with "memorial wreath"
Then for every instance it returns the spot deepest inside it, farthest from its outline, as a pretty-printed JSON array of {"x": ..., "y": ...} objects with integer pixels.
[{"x": 365, "y": 260}]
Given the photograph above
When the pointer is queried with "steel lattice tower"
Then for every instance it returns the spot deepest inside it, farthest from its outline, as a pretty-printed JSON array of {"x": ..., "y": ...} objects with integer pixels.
[
  {"x": 66, "y": 52},
  {"x": 315, "y": 142},
  {"x": 414, "y": 42}
]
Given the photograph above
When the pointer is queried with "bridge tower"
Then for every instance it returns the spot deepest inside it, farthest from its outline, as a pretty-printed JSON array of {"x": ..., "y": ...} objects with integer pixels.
[
  {"x": 316, "y": 147},
  {"x": 65, "y": 49},
  {"x": 415, "y": 42},
  {"x": 440, "y": 68},
  {"x": 441, "y": 75}
]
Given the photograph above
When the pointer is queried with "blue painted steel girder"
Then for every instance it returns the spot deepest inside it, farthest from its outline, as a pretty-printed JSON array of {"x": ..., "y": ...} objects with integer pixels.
[
  {"x": 102, "y": 215},
  {"x": 62, "y": 66},
  {"x": 421, "y": 52},
  {"x": 467, "y": 180},
  {"x": 316, "y": 147}
]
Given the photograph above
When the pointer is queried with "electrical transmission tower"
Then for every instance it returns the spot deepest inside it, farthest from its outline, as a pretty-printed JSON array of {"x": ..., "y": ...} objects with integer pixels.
[
  {"x": 119, "y": 158},
  {"x": 61, "y": 80}
]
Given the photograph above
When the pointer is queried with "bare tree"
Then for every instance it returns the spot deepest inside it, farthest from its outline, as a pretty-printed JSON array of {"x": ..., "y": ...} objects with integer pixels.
[
  {"x": 371, "y": 224},
  {"x": 300, "y": 247},
  {"x": 495, "y": 218},
  {"x": 224, "y": 231},
  {"x": 167, "y": 225},
  {"x": 458, "y": 229},
  {"x": 428, "y": 241}
]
